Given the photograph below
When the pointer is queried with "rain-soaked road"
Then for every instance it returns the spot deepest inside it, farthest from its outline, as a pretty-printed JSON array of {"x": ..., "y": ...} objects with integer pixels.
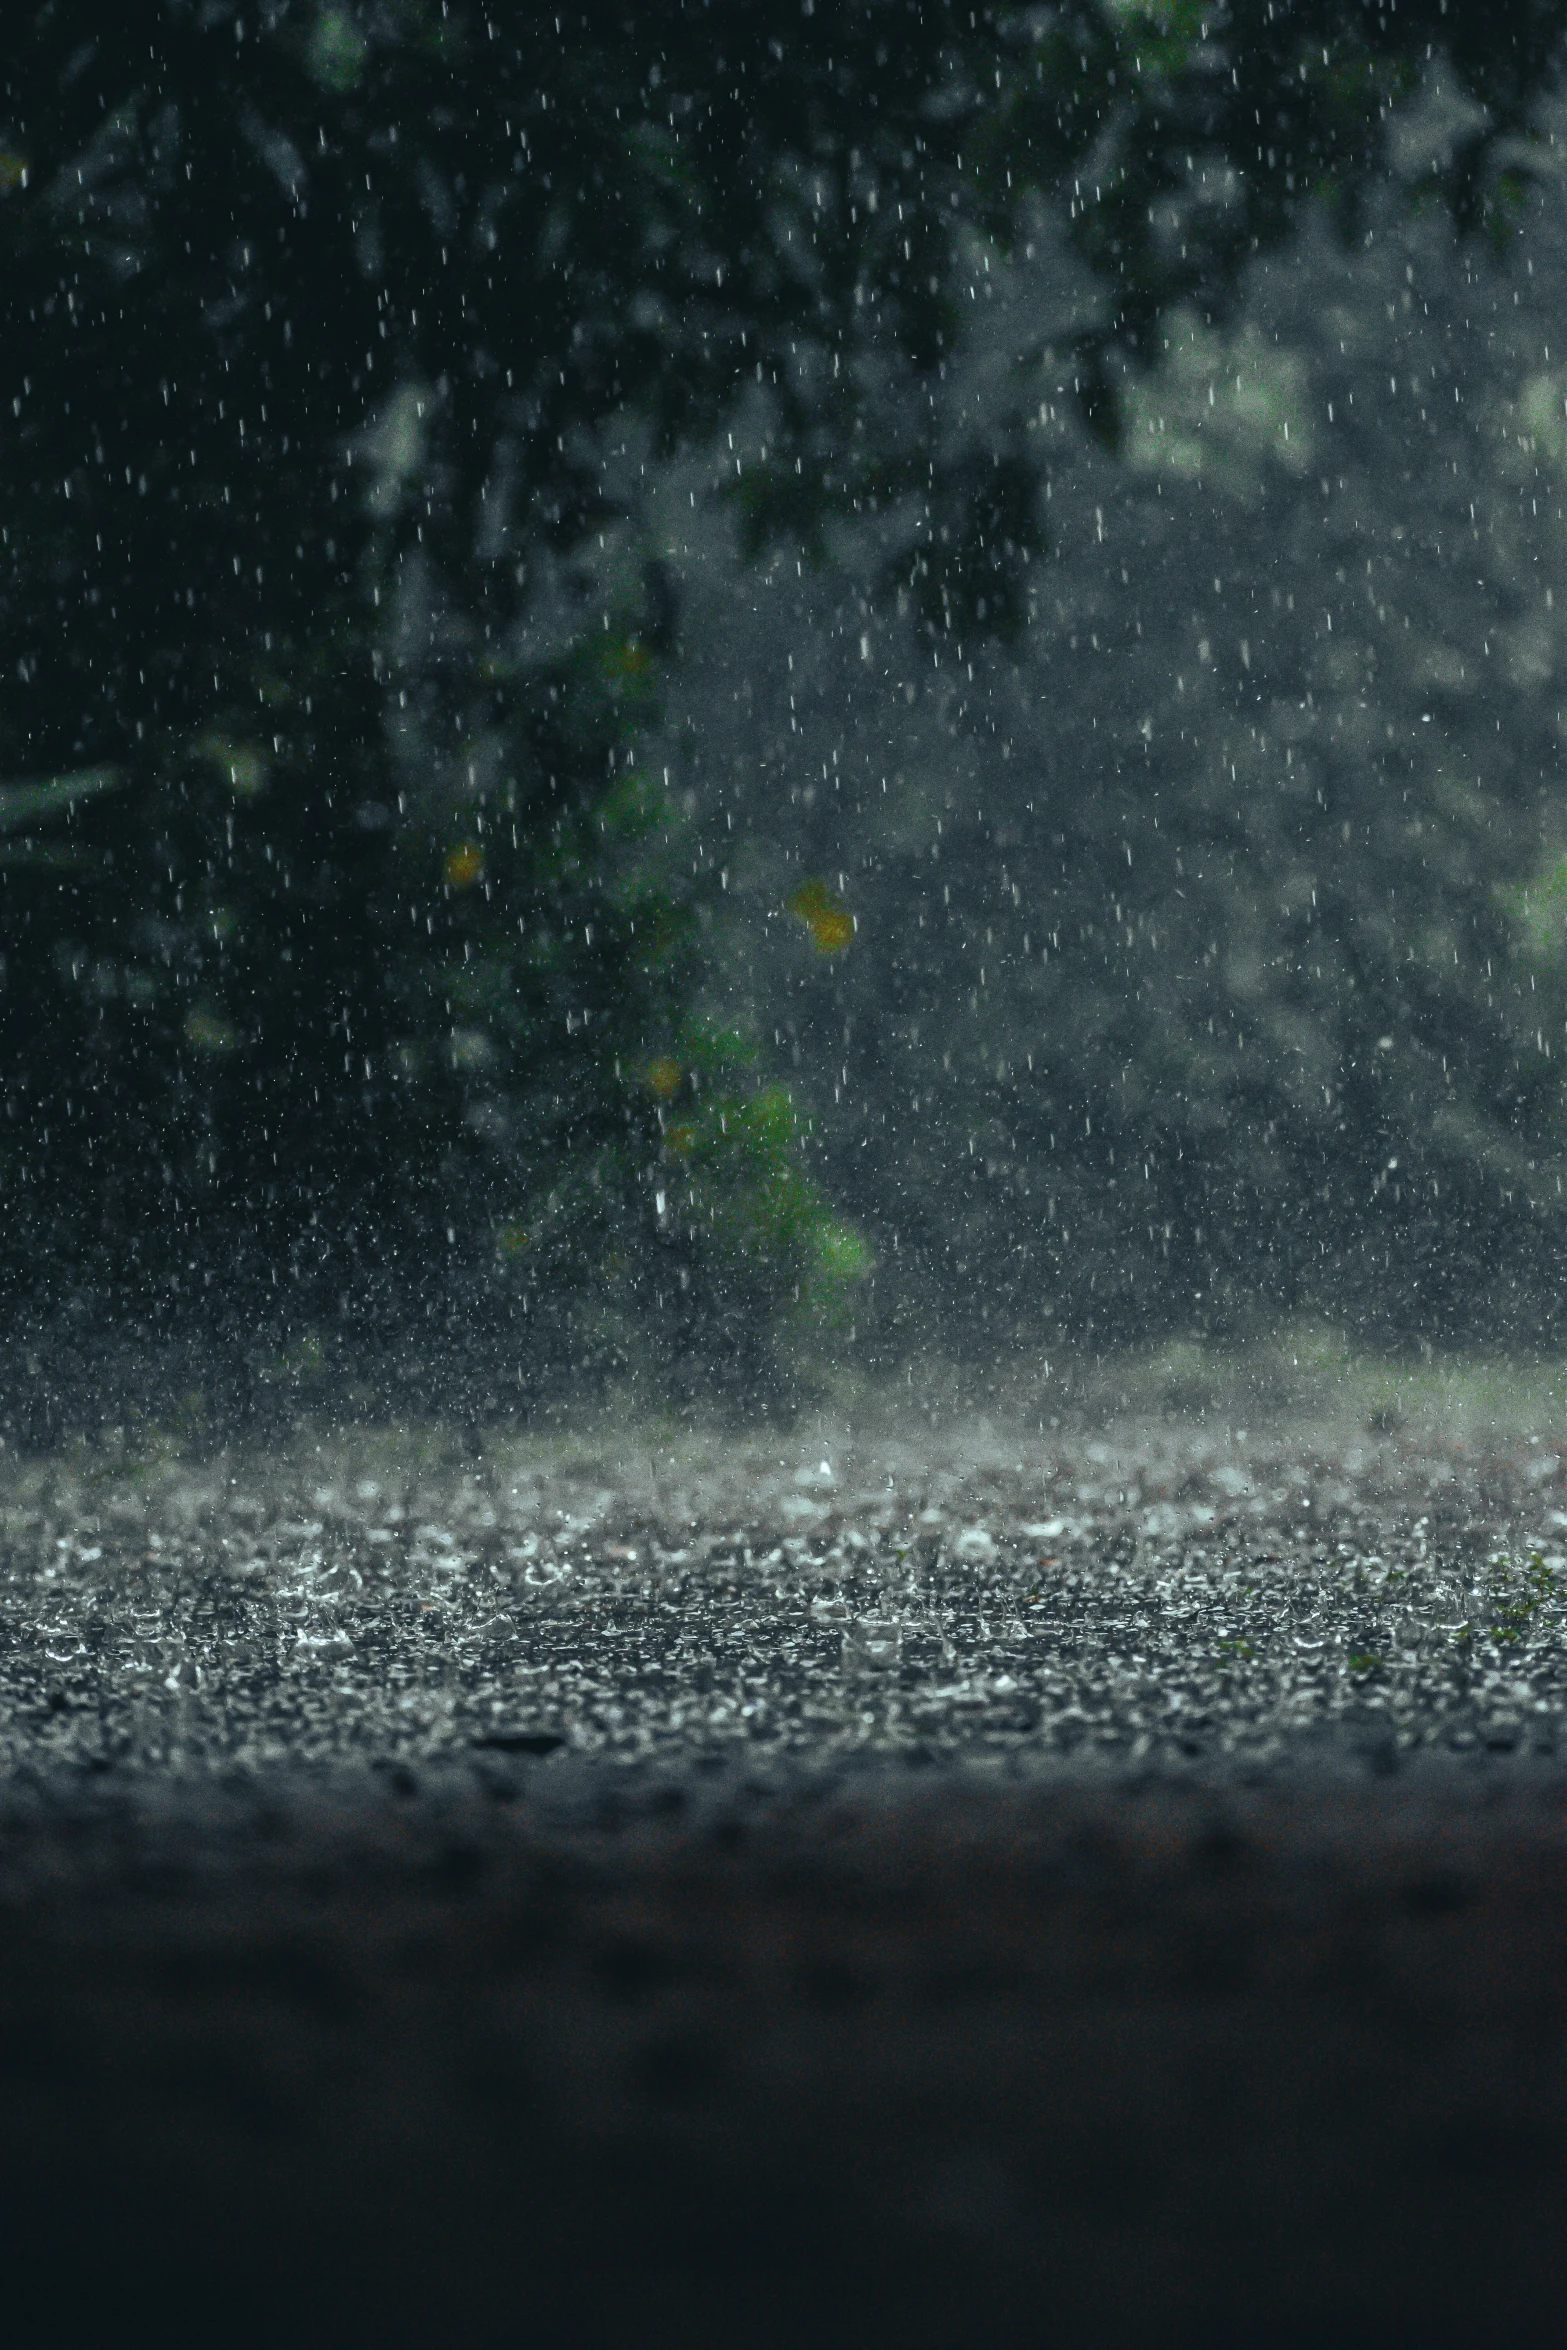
[
  {"x": 1164, "y": 1593},
  {"x": 791, "y": 1889}
]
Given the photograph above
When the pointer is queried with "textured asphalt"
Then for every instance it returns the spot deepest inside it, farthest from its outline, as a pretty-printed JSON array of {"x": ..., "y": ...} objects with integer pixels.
[
  {"x": 941, "y": 1888},
  {"x": 1161, "y": 1593}
]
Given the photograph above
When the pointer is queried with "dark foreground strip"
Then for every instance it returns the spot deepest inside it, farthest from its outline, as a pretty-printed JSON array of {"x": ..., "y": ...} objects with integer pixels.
[{"x": 540, "y": 2058}]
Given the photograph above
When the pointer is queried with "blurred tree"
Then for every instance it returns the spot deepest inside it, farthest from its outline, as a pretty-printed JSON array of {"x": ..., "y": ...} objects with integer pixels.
[
  {"x": 1203, "y": 964},
  {"x": 348, "y": 945}
]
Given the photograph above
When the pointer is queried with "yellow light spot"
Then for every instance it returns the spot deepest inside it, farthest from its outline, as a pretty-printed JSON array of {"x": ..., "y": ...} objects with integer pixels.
[
  {"x": 679, "y": 1141},
  {"x": 825, "y": 916},
  {"x": 13, "y": 170},
  {"x": 463, "y": 865},
  {"x": 663, "y": 1077},
  {"x": 512, "y": 1239}
]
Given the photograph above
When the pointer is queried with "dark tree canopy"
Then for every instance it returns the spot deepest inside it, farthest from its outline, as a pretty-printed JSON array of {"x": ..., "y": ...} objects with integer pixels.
[{"x": 347, "y": 953}]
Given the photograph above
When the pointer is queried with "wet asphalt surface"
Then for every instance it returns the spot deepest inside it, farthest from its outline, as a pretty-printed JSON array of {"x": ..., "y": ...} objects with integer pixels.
[
  {"x": 1165, "y": 1594},
  {"x": 929, "y": 1888}
]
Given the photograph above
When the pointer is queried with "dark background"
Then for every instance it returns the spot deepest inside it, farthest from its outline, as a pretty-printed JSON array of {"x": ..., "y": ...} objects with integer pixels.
[{"x": 705, "y": 693}]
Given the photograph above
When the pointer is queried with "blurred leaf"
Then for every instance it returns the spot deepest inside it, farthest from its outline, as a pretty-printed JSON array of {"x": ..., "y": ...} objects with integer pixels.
[
  {"x": 336, "y": 53},
  {"x": 209, "y": 1031},
  {"x": 825, "y": 916},
  {"x": 1539, "y": 909},
  {"x": 40, "y": 803},
  {"x": 243, "y": 764}
]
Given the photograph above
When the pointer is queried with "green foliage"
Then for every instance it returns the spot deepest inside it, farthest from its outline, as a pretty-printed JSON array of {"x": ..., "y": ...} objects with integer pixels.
[{"x": 731, "y": 1178}]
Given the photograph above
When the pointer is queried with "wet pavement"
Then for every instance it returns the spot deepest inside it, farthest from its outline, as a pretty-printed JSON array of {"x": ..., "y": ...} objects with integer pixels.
[
  {"x": 829, "y": 1888},
  {"x": 1155, "y": 1593}
]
